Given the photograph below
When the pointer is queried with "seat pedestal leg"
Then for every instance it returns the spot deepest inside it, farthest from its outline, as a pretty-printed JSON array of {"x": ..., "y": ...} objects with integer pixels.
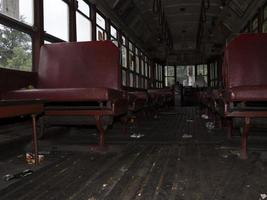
[
  {"x": 34, "y": 140},
  {"x": 101, "y": 131},
  {"x": 243, "y": 153}
]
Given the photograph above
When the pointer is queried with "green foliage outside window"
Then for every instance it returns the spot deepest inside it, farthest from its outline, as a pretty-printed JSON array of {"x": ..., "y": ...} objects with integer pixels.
[{"x": 15, "y": 49}]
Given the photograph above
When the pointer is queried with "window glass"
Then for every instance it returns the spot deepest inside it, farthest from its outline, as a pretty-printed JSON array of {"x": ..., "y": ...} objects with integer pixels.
[
  {"x": 264, "y": 25},
  {"x": 123, "y": 40},
  {"x": 149, "y": 71},
  {"x": 169, "y": 71},
  {"x": 186, "y": 75},
  {"x": 255, "y": 24},
  {"x": 131, "y": 80},
  {"x": 131, "y": 60},
  {"x": 115, "y": 42},
  {"x": 84, "y": 28},
  {"x": 201, "y": 78},
  {"x": 169, "y": 81},
  {"x": 84, "y": 8},
  {"x": 137, "y": 81},
  {"x": 100, "y": 21},
  {"x": 146, "y": 69},
  {"x": 146, "y": 84},
  {"x": 137, "y": 61},
  {"x": 265, "y": 12},
  {"x": 123, "y": 56},
  {"x": 160, "y": 72},
  {"x": 113, "y": 32},
  {"x": 181, "y": 73},
  {"x": 156, "y": 74},
  {"x": 16, "y": 49},
  {"x": 142, "y": 67},
  {"x": 264, "y": 28},
  {"x": 130, "y": 46},
  {"x": 124, "y": 78},
  {"x": 100, "y": 34},
  {"x": 21, "y": 10},
  {"x": 56, "y": 9}
]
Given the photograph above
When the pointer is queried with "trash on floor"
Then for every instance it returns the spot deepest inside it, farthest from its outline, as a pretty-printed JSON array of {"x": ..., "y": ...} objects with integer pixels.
[
  {"x": 204, "y": 116},
  {"x": 210, "y": 125},
  {"x": 24, "y": 173},
  {"x": 136, "y": 135},
  {"x": 186, "y": 136},
  {"x": 263, "y": 196},
  {"x": 30, "y": 158}
]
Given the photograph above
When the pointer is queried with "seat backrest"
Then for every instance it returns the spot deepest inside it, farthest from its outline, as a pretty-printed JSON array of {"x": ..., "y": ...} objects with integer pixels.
[
  {"x": 245, "y": 61},
  {"x": 79, "y": 65}
]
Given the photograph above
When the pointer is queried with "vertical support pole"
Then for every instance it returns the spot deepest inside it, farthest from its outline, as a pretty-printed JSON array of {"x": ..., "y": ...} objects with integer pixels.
[
  {"x": 34, "y": 140},
  {"x": 101, "y": 131},
  {"x": 243, "y": 154}
]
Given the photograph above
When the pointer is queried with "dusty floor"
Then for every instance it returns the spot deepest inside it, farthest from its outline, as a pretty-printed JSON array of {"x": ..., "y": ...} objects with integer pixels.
[{"x": 178, "y": 158}]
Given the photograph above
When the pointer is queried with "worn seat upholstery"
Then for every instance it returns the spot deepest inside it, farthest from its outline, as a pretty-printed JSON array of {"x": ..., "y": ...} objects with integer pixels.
[
  {"x": 79, "y": 72},
  {"x": 244, "y": 74}
]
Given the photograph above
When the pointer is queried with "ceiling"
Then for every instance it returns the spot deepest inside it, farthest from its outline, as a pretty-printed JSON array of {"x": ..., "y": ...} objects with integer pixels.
[{"x": 197, "y": 29}]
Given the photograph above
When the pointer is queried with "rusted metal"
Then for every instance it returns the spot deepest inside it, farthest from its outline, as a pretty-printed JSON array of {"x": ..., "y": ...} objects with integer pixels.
[{"x": 17, "y": 108}]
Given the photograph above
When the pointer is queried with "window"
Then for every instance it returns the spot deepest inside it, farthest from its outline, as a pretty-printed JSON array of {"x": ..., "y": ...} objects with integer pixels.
[
  {"x": 131, "y": 80},
  {"x": 100, "y": 27},
  {"x": 16, "y": 49},
  {"x": 131, "y": 57},
  {"x": 113, "y": 32},
  {"x": 137, "y": 81},
  {"x": 124, "y": 78},
  {"x": 83, "y": 22},
  {"x": 158, "y": 75},
  {"x": 100, "y": 21},
  {"x": 169, "y": 75},
  {"x": 84, "y": 28},
  {"x": 56, "y": 18},
  {"x": 21, "y": 10},
  {"x": 186, "y": 75},
  {"x": 84, "y": 8},
  {"x": 114, "y": 35},
  {"x": 255, "y": 24},
  {"x": 123, "y": 53},
  {"x": 137, "y": 60},
  {"x": 264, "y": 25},
  {"x": 214, "y": 81},
  {"x": 201, "y": 78}
]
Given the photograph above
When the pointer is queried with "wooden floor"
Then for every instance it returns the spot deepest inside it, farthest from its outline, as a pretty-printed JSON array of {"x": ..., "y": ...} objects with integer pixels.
[{"x": 161, "y": 165}]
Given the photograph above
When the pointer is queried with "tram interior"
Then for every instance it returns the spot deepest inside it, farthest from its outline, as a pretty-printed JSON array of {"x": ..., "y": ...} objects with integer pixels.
[{"x": 133, "y": 99}]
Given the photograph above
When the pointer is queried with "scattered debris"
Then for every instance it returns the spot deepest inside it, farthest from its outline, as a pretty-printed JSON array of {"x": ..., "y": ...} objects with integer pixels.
[
  {"x": 104, "y": 185},
  {"x": 210, "y": 125},
  {"x": 204, "y": 116},
  {"x": 225, "y": 156},
  {"x": 190, "y": 120},
  {"x": 235, "y": 153},
  {"x": 186, "y": 136},
  {"x": 31, "y": 160},
  {"x": 123, "y": 169},
  {"x": 263, "y": 196},
  {"x": 24, "y": 173},
  {"x": 137, "y": 135}
]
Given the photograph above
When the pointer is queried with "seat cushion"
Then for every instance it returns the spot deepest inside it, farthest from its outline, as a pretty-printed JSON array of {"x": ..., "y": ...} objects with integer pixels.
[
  {"x": 247, "y": 93},
  {"x": 65, "y": 94}
]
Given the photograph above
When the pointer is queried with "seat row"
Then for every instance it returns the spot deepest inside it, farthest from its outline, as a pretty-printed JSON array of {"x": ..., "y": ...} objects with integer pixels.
[
  {"x": 244, "y": 95},
  {"x": 84, "y": 79}
]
